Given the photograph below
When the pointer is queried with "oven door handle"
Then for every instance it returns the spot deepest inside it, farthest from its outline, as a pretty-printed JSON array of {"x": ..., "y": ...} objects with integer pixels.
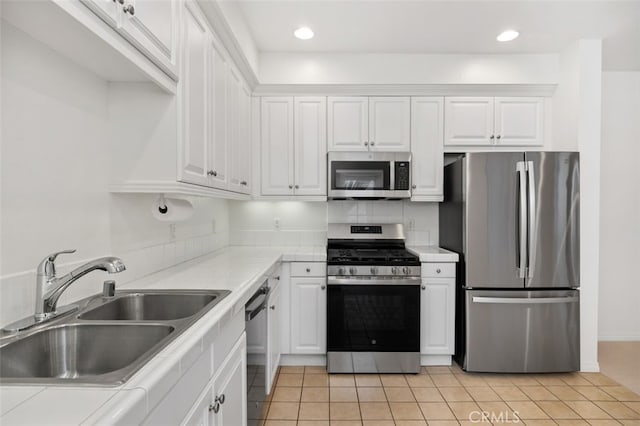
[{"x": 332, "y": 280}]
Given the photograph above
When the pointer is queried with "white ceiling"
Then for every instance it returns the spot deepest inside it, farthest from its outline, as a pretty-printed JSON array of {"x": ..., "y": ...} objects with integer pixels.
[{"x": 426, "y": 26}]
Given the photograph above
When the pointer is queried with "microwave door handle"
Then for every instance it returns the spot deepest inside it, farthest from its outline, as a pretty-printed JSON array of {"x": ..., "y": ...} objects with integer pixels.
[
  {"x": 392, "y": 175},
  {"x": 521, "y": 234}
]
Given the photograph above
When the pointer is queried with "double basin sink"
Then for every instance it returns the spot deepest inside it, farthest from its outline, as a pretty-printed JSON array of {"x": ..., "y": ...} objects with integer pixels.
[{"x": 106, "y": 340}]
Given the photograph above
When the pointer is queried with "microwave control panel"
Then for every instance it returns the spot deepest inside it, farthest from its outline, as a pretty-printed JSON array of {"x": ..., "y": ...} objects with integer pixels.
[{"x": 402, "y": 175}]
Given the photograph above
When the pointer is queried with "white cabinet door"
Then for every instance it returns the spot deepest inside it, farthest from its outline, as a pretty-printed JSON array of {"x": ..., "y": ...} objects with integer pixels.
[
  {"x": 437, "y": 316},
  {"x": 310, "y": 146},
  {"x": 389, "y": 123},
  {"x": 308, "y": 315},
  {"x": 348, "y": 123},
  {"x": 468, "y": 121},
  {"x": 519, "y": 121},
  {"x": 152, "y": 26},
  {"x": 108, "y": 10},
  {"x": 224, "y": 400},
  {"x": 427, "y": 121},
  {"x": 234, "y": 136},
  {"x": 277, "y": 146},
  {"x": 274, "y": 314},
  {"x": 193, "y": 149},
  {"x": 218, "y": 149}
]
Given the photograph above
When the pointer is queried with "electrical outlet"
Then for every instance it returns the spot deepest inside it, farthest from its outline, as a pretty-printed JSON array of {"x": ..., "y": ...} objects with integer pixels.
[
  {"x": 276, "y": 223},
  {"x": 412, "y": 224},
  {"x": 172, "y": 232}
]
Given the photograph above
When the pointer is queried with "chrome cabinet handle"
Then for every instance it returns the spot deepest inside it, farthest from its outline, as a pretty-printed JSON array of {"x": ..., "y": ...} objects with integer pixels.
[
  {"x": 413, "y": 186},
  {"x": 322, "y": 287},
  {"x": 119, "y": 1},
  {"x": 297, "y": 187},
  {"x": 212, "y": 173},
  {"x": 290, "y": 186},
  {"x": 424, "y": 287},
  {"x": 129, "y": 9},
  {"x": 244, "y": 182},
  {"x": 214, "y": 407},
  {"x": 278, "y": 278},
  {"x": 438, "y": 271},
  {"x": 372, "y": 143},
  {"x": 498, "y": 137},
  {"x": 491, "y": 137},
  {"x": 366, "y": 143},
  {"x": 273, "y": 307},
  {"x": 308, "y": 270},
  {"x": 220, "y": 399}
]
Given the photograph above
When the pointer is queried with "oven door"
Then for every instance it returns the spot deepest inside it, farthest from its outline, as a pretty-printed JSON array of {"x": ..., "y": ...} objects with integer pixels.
[{"x": 373, "y": 318}]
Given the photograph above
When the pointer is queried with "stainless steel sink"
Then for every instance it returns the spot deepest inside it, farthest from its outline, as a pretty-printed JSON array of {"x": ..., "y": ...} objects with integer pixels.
[
  {"x": 106, "y": 341},
  {"x": 150, "y": 307}
]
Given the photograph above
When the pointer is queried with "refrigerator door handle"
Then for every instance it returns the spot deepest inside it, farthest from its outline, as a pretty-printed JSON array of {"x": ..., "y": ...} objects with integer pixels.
[
  {"x": 522, "y": 220},
  {"x": 525, "y": 300},
  {"x": 531, "y": 237}
]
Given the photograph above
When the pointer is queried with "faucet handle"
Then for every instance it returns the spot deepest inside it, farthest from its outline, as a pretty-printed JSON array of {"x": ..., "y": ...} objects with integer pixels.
[{"x": 48, "y": 267}]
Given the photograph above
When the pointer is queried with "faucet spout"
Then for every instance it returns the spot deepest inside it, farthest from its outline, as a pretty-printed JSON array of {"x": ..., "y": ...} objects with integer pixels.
[{"x": 50, "y": 287}]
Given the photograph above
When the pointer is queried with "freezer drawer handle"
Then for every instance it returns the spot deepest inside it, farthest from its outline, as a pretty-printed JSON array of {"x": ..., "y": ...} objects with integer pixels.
[{"x": 525, "y": 300}]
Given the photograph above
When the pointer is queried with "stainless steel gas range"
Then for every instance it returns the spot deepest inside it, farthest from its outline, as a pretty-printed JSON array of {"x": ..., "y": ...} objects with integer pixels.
[{"x": 373, "y": 300}]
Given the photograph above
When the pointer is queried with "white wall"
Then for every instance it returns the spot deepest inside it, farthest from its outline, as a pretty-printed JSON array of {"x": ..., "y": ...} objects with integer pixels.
[
  {"x": 348, "y": 68},
  {"x": 619, "y": 317},
  {"x": 54, "y": 175},
  {"x": 305, "y": 223}
]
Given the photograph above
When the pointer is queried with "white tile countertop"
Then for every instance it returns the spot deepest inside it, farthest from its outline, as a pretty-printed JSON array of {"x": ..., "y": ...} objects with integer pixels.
[
  {"x": 433, "y": 254},
  {"x": 239, "y": 269}
]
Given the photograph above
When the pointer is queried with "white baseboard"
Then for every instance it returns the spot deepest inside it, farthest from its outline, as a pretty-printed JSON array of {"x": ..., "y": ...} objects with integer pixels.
[
  {"x": 589, "y": 367},
  {"x": 619, "y": 338},
  {"x": 289, "y": 359},
  {"x": 433, "y": 360}
]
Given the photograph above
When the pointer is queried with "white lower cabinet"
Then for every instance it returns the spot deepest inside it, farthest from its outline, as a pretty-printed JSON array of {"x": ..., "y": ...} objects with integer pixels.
[
  {"x": 308, "y": 308},
  {"x": 224, "y": 400},
  {"x": 437, "y": 310},
  {"x": 274, "y": 313}
]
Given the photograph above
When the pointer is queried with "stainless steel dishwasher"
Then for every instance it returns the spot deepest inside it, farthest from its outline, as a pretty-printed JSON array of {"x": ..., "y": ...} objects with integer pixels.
[{"x": 256, "y": 327}]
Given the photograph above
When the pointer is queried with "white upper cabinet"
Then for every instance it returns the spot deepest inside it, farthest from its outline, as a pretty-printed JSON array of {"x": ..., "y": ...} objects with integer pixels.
[
  {"x": 234, "y": 136},
  {"x": 348, "y": 123},
  {"x": 193, "y": 153},
  {"x": 360, "y": 123},
  {"x": 519, "y": 121},
  {"x": 427, "y": 155},
  {"x": 310, "y": 146},
  {"x": 151, "y": 26},
  {"x": 468, "y": 121},
  {"x": 487, "y": 121},
  {"x": 294, "y": 146},
  {"x": 277, "y": 146},
  {"x": 218, "y": 69},
  {"x": 389, "y": 123}
]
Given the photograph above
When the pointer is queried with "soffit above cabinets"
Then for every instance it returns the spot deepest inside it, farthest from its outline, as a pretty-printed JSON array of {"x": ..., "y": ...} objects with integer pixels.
[{"x": 460, "y": 27}]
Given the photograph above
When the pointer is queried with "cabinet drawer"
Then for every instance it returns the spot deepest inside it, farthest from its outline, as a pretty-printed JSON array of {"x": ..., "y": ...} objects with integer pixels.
[
  {"x": 308, "y": 269},
  {"x": 436, "y": 270}
]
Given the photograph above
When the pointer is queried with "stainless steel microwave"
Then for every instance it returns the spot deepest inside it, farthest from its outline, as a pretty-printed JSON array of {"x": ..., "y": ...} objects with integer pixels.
[{"x": 373, "y": 175}]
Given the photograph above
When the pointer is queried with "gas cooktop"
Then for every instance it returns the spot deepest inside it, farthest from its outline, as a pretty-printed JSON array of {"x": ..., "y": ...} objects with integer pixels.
[{"x": 371, "y": 255}]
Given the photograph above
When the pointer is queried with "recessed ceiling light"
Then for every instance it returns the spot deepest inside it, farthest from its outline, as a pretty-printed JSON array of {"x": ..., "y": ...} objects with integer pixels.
[
  {"x": 508, "y": 35},
  {"x": 303, "y": 33}
]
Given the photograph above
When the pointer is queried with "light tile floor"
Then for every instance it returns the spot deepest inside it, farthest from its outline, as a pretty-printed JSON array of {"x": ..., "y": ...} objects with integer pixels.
[{"x": 447, "y": 396}]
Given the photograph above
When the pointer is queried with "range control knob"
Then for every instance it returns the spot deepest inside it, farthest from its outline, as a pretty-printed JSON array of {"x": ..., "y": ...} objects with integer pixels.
[
  {"x": 353, "y": 270},
  {"x": 374, "y": 270},
  {"x": 405, "y": 270},
  {"x": 341, "y": 271},
  {"x": 395, "y": 270}
]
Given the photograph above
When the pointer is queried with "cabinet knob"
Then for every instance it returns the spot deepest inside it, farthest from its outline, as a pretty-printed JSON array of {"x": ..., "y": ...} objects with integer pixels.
[
  {"x": 413, "y": 186},
  {"x": 308, "y": 270},
  {"x": 290, "y": 186},
  {"x": 273, "y": 307},
  {"x": 129, "y": 9},
  {"x": 424, "y": 287},
  {"x": 278, "y": 278},
  {"x": 491, "y": 137},
  {"x": 119, "y": 1},
  {"x": 220, "y": 399},
  {"x": 366, "y": 143},
  {"x": 372, "y": 143},
  {"x": 212, "y": 173},
  {"x": 214, "y": 407},
  {"x": 322, "y": 287},
  {"x": 438, "y": 271},
  {"x": 297, "y": 187},
  {"x": 244, "y": 182},
  {"x": 498, "y": 137}
]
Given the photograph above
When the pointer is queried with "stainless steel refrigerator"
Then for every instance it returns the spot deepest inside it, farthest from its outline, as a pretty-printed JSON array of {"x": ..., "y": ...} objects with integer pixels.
[{"x": 514, "y": 220}]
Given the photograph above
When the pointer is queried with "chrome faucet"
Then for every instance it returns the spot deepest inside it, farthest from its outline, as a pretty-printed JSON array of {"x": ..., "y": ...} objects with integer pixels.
[{"x": 49, "y": 288}]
